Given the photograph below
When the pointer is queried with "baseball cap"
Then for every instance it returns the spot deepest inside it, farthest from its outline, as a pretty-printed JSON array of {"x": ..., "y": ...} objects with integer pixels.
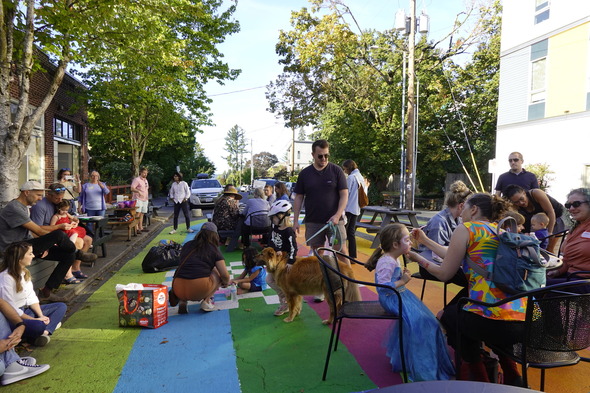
[
  {"x": 32, "y": 185},
  {"x": 209, "y": 226}
]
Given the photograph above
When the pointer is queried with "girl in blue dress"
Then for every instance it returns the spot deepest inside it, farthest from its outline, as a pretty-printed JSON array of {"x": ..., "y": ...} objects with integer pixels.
[{"x": 425, "y": 347}]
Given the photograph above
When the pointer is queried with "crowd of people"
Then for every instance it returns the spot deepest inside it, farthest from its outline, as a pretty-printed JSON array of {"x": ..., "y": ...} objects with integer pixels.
[{"x": 466, "y": 229}]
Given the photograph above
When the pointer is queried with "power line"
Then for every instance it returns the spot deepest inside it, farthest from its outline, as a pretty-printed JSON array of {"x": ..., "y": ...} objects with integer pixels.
[{"x": 236, "y": 91}]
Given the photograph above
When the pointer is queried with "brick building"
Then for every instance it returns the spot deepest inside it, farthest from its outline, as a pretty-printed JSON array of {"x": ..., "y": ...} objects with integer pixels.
[{"x": 60, "y": 137}]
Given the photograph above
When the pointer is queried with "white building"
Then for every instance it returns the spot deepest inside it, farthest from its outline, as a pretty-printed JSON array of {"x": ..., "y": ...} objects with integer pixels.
[
  {"x": 302, "y": 155},
  {"x": 544, "y": 98}
]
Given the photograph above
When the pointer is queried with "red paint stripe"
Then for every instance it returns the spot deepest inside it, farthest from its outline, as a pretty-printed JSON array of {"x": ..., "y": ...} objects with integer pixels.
[{"x": 365, "y": 339}]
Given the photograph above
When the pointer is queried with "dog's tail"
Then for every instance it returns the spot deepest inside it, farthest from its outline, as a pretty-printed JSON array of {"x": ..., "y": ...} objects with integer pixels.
[{"x": 352, "y": 293}]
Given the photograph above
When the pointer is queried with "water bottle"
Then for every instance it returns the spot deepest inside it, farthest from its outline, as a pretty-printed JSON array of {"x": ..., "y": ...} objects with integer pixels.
[{"x": 233, "y": 293}]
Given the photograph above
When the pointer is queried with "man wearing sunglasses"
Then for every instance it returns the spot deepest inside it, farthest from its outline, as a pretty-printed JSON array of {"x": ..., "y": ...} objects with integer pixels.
[
  {"x": 41, "y": 214},
  {"x": 16, "y": 226},
  {"x": 324, "y": 187},
  {"x": 516, "y": 175}
]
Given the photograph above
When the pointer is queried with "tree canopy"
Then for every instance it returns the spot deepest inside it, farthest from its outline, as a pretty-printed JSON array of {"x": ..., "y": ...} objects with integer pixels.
[{"x": 349, "y": 86}]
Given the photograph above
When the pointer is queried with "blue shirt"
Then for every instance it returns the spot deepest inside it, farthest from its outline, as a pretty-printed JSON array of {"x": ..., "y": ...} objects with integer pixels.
[{"x": 439, "y": 228}]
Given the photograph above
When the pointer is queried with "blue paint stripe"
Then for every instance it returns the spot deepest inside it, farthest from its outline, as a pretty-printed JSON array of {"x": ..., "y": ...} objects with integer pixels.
[{"x": 192, "y": 353}]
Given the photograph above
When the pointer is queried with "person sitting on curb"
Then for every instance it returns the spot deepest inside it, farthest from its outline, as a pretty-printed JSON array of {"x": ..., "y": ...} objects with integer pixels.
[
  {"x": 13, "y": 368},
  {"x": 17, "y": 289},
  {"x": 17, "y": 226},
  {"x": 42, "y": 213}
]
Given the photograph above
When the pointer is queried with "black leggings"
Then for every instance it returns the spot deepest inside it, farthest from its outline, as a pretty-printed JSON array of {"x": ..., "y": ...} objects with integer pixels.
[
  {"x": 474, "y": 329},
  {"x": 350, "y": 233},
  {"x": 187, "y": 218}
]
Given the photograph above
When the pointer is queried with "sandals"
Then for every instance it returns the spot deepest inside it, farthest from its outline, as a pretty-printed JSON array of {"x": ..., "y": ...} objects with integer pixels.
[
  {"x": 71, "y": 280},
  {"x": 79, "y": 275}
]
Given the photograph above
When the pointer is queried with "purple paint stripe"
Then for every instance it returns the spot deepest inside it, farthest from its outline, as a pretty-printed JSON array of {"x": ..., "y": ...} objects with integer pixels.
[{"x": 364, "y": 339}]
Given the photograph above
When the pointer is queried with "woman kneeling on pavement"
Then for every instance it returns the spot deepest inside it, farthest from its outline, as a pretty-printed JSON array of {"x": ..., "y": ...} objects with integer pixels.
[
  {"x": 201, "y": 272},
  {"x": 16, "y": 288},
  {"x": 500, "y": 326}
]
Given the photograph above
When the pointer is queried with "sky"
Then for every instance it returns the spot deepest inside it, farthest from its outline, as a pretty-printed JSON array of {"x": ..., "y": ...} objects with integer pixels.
[{"x": 242, "y": 102}]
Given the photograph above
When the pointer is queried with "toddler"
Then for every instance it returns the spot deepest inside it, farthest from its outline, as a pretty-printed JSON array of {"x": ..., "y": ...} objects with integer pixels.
[
  {"x": 63, "y": 217},
  {"x": 539, "y": 224},
  {"x": 253, "y": 278}
]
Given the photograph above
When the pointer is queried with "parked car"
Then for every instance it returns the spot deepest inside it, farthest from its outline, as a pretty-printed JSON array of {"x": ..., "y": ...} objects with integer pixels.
[{"x": 204, "y": 192}]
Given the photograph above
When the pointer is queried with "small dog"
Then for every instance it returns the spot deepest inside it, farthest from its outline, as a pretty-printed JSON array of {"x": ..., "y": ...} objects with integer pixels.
[{"x": 305, "y": 278}]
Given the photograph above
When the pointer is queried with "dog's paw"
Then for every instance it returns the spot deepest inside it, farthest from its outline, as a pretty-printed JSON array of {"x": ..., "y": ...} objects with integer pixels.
[
  {"x": 326, "y": 322},
  {"x": 288, "y": 319}
]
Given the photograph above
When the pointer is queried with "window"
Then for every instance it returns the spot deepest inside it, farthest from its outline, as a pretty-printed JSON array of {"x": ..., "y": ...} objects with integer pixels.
[
  {"x": 66, "y": 130},
  {"x": 538, "y": 80},
  {"x": 541, "y": 11},
  {"x": 298, "y": 154}
]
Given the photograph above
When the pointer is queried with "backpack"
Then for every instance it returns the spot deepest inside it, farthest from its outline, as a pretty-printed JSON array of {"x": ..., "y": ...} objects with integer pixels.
[
  {"x": 363, "y": 198},
  {"x": 518, "y": 266}
]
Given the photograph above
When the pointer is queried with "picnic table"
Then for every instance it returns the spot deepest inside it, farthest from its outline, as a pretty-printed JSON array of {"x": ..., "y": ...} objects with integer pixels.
[{"x": 382, "y": 216}]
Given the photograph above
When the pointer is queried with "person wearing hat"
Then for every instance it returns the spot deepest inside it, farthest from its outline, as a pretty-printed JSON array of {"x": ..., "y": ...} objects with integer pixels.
[
  {"x": 226, "y": 213},
  {"x": 16, "y": 226},
  {"x": 201, "y": 272}
]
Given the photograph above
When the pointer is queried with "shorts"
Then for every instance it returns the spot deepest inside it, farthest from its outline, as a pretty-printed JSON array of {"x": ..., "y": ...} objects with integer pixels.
[
  {"x": 141, "y": 206},
  {"x": 254, "y": 288},
  {"x": 320, "y": 240},
  {"x": 195, "y": 289}
]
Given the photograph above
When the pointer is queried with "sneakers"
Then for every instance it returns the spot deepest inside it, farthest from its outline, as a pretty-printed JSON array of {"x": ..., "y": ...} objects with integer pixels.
[
  {"x": 283, "y": 308},
  {"x": 42, "y": 340},
  {"x": 85, "y": 256},
  {"x": 20, "y": 370},
  {"x": 172, "y": 232},
  {"x": 190, "y": 230},
  {"x": 183, "y": 307},
  {"x": 207, "y": 306},
  {"x": 318, "y": 299}
]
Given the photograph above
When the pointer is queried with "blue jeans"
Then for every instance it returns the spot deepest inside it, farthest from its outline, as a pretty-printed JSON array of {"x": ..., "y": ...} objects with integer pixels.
[
  {"x": 6, "y": 357},
  {"x": 34, "y": 328}
]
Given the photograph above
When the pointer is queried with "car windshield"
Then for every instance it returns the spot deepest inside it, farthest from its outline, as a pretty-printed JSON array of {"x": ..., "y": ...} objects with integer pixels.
[{"x": 211, "y": 183}]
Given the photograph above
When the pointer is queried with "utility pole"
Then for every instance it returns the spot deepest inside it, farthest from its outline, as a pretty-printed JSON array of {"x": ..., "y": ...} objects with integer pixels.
[{"x": 410, "y": 113}]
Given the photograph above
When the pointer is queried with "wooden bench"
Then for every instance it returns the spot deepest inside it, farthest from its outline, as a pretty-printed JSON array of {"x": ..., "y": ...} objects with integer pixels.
[
  {"x": 40, "y": 270},
  {"x": 368, "y": 227},
  {"x": 130, "y": 225}
]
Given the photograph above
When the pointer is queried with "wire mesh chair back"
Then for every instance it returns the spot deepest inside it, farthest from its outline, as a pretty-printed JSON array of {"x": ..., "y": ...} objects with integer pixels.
[
  {"x": 560, "y": 323},
  {"x": 364, "y": 309}
]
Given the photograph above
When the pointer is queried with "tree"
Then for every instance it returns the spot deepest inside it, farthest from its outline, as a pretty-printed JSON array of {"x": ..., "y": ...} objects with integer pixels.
[
  {"x": 235, "y": 143},
  {"x": 88, "y": 33},
  {"x": 263, "y": 161},
  {"x": 348, "y": 85}
]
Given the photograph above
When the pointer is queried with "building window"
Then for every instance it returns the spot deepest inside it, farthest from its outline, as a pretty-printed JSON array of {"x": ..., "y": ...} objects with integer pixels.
[
  {"x": 541, "y": 11},
  {"x": 538, "y": 80},
  {"x": 66, "y": 130},
  {"x": 298, "y": 154}
]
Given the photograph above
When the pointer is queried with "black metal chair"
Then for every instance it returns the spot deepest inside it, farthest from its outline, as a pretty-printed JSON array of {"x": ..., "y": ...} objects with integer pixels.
[
  {"x": 557, "y": 325},
  {"x": 334, "y": 281},
  {"x": 418, "y": 276}
]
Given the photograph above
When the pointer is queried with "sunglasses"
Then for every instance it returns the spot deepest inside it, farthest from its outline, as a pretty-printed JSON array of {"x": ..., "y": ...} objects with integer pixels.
[
  {"x": 65, "y": 169},
  {"x": 575, "y": 204},
  {"x": 513, "y": 159},
  {"x": 322, "y": 156},
  {"x": 59, "y": 189}
]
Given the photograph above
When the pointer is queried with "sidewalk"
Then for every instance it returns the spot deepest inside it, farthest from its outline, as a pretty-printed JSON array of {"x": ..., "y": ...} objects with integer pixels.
[{"x": 119, "y": 251}]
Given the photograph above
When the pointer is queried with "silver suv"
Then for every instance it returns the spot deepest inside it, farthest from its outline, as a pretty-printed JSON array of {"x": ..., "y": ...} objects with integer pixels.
[{"x": 204, "y": 192}]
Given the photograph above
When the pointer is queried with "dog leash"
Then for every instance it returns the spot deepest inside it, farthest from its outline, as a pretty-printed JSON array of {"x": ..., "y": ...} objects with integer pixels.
[{"x": 334, "y": 238}]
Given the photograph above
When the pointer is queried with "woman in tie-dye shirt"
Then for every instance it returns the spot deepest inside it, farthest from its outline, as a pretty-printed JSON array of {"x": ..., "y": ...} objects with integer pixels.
[{"x": 501, "y": 326}]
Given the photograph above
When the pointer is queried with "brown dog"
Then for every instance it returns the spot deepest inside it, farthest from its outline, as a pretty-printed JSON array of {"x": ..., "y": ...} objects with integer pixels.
[{"x": 305, "y": 278}]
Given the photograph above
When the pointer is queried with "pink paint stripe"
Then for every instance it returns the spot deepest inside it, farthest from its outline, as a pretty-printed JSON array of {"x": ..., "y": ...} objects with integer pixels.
[{"x": 364, "y": 339}]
